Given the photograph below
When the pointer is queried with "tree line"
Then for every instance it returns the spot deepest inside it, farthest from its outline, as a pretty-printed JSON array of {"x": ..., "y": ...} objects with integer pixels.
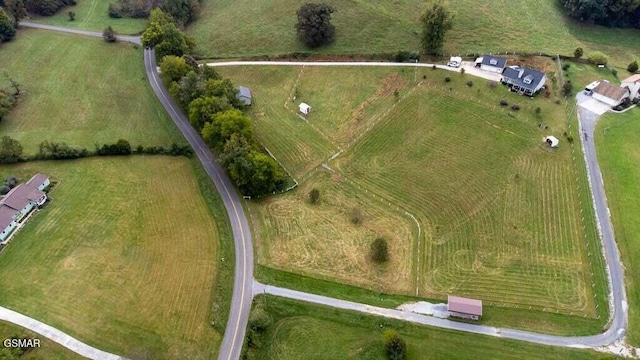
[
  {"x": 617, "y": 13},
  {"x": 213, "y": 109},
  {"x": 182, "y": 11}
]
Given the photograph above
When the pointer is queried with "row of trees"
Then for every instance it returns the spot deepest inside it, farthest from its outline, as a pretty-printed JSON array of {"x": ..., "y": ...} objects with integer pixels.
[
  {"x": 619, "y": 13},
  {"x": 9, "y": 96},
  {"x": 182, "y": 11},
  {"x": 163, "y": 35}
]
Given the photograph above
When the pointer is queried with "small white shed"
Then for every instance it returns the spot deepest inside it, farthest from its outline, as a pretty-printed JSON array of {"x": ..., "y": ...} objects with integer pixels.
[
  {"x": 552, "y": 141},
  {"x": 304, "y": 108}
]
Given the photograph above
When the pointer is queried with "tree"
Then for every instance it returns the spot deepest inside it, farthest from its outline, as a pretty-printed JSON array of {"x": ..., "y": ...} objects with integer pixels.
[
  {"x": 314, "y": 196},
  {"x": 173, "y": 68},
  {"x": 314, "y": 26},
  {"x": 224, "y": 89},
  {"x": 598, "y": 58},
  {"x": 436, "y": 21},
  {"x": 217, "y": 132},
  {"x": 72, "y": 15},
  {"x": 10, "y": 150},
  {"x": 633, "y": 67},
  {"x": 201, "y": 110},
  {"x": 395, "y": 347},
  {"x": 578, "y": 52},
  {"x": 109, "y": 34},
  {"x": 4, "y": 189},
  {"x": 7, "y": 27},
  {"x": 163, "y": 35},
  {"x": 15, "y": 9},
  {"x": 190, "y": 88},
  {"x": 379, "y": 250}
]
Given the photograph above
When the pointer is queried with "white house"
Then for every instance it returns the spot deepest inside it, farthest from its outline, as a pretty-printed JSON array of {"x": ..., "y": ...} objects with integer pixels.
[
  {"x": 19, "y": 202},
  {"x": 7, "y": 222},
  {"x": 39, "y": 181},
  {"x": 304, "y": 108},
  {"x": 633, "y": 84},
  {"x": 524, "y": 80},
  {"x": 490, "y": 63},
  {"x": 552, "y": 141},
  {"x": 610, "y": 94}
]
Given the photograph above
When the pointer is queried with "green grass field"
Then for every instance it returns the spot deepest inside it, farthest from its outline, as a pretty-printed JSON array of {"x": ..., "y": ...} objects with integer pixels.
[
  {"x": 93, "y": 15},
  {"x": 619, "y": 156},
  {"x": 311, "y": 332},
  {"x": 500, "y": 213},
  {"x": 124, "y": 258},
  {"x": 365, "y": 27},
  {"x": 81, "y": 91},
  {"x": 48, "y": 350}
]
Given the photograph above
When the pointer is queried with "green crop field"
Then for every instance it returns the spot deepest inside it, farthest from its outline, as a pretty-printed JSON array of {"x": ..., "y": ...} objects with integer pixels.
[
  {"x": 48, "y": 350},
  {"x": 124, "y": 257},
  {"x": 93, "y": 15},
  {"x": 365, "y": 27},
  {"x": 619, "y": 157},
  {"x": 499, "y": 212},
  {"x": 81, "y": 91},
  {"x": 307, "y": 331}
]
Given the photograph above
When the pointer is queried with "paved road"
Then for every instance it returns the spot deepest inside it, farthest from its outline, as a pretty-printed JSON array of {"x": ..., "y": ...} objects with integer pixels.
[
  {"x": 242, "y": 294},
  {"x": 56, "y": 335},
  {"x": 132, "y": 39}
]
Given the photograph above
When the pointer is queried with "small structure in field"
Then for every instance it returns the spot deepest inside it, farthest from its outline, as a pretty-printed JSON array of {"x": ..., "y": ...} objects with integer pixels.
[
  {"x": 610, "y": 94},
  {"x": 552, "y": 141},
  {"x": 244, "y": 95},
  {"x": 464, "y": 308},
  {"x": 491, "y": 63},
  {"x": 304, "y": 108}
]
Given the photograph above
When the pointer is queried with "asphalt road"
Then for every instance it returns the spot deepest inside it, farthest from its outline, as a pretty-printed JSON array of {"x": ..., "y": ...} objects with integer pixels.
[{"x": 242, "y": 294}]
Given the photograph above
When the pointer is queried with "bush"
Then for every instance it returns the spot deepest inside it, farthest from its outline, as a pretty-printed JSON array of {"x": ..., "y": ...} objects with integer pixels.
[
  {"x": 356, "y": 216},
  {"x": 566, "y": 66},
  {"x": 72, "y": 15},
  {"x": 379, "y": 250},
  {"x": 633, "y": 67},
  {"x": 578, "y": 52},
  {"x": 447, "y": 79},
  {"x": 515, "y": 107},
  {"x": 538, "y": 111},
  {"x": 462, "y": 71},
  {"x": 469, "y": 83},
  {"x": 614, "y": 71},
  {"x": 570, "y": 139},
  {"x": 121, "y": 147},
  {"x": 567, "y": 88},
  {"x": 547, "y": 93},
  {"x": 492, "y": 84},
  {"x": 598, "y": 58},
  {"x": 314, "y": 196},
  {"x": 404, "y": 56},
  {"x": 4, "y": 189},
  {"x": 433, "y": 67},
  {"x": 109, "y": 35},
  {"x": 115, "y": 10},
  {"x": 503, "y": 102},
  {"x": 259, "y": 320},
  {"x": 394, "y": 346}
]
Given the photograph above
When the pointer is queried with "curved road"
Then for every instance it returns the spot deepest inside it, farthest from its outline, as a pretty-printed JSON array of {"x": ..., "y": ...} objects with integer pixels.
[{"x": 244, "y": 289}]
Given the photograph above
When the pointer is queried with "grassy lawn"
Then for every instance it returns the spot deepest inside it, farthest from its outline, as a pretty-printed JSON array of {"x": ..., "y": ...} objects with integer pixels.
[
  {"x": 48, "y": 350},
  {"x": 365, "y": 27},
  {"x": 306, "y": 331},
  {"x": 500, "y": 214},
  {"x": 81, "y": 91},
  {"x": 619, "y": 157},
  {"x": 93, "y": 15},
  {"x": 124, "y": 258}
]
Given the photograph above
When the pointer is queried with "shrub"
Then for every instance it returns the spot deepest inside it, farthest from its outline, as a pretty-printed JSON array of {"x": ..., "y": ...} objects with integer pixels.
[
  {"x": 614, "y": 71},
  {"x": 538, "y": 111},
  {"x": 394, "y": 346},
  {"x": 356, "y": 216},
  {"x": 598, "y": 58},
  {"x": 447, "y": 79},
  {"x": 115, "y": 10},
  {"x": 547, "y": 93},
  {"x": 567, "y": 88},
  {"x": 515, "y": 107},
  {"x": 570, "y": 139},
  {"x": 433, "y": 67},
  {"x": 72, "y": 15},
  {"x": 259, "y": 319},
  {"x": 503, "y": 102},
  {"x": 379, "y": 250},
  {"x": 633, "y": 67},
  {"x": 578, "y": 52},
  {"x": 492, "y": 84},
  {"x": 109, "y": 35},
  {"x": 404, "y": 56},
  {"x": 4, "y": 189},
  {"x": 462, "y": 71},
  {"x": 566, "y": 66},
  {"x": 314, "y": 196},
  {"x": 469, "y": 83}
]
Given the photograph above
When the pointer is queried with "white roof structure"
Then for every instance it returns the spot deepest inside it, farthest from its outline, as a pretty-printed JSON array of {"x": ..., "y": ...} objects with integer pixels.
[
  {"x": 456, "y": 59},
  {"x": 552, "y": 140},
  {"x": 304, "y": 108}
]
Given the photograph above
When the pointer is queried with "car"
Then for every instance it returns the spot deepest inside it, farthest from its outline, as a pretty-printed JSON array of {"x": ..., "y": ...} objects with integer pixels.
[{"x": 453, "y": 64}]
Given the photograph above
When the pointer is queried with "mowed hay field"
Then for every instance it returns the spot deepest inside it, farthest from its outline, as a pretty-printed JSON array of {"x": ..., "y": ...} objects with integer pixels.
[
  {"x": 93, "y": 15},
  {"x": 81, "y": 91},
  {"x": 48, "y": 350},
  {"x": 499, "y": 212},
  {"x": 303, "y": 331},
  {"x": 322, "y": 241},
  {"x": 366, "y": 27},
  {"x": 123, "y": 258},
  {"x": 619, "y": 159}
]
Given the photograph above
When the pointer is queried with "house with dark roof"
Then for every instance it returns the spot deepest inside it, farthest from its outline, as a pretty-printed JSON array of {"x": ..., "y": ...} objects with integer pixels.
[
  {"x": 610, "y": 94},
  {"x": 464, "y": 308},
  {"x": 524, "y": 80},
  {"x": 244, "y": 95},
  {"x": 491, "y": 63},
  {"x": 19, "y": 202}
]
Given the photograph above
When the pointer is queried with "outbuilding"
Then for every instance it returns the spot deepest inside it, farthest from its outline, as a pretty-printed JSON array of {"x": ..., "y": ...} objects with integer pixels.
[
  {"x": 491, "y": 63},
  {"x": 464, "y": 308},
  {"x": 633, "y": 84},
  {"x": 304, "y": 108},
  {"x": 610, "y": 94},
  {"x": 244, "y": 95},
  {"x": 552, "y": 141}
]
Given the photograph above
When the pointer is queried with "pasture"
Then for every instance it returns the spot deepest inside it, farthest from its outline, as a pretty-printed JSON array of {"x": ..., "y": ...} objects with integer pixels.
[
  {"x": 81, "y": 91},
  {"x": 307, "y": 331},
  {"x": 499, "y": 212},
  {"x": 369, "y": 27},
  {"x": 619, "y": 156},
  {"x": 93, "y": 15},
  {"x": 123, "y": 258},
  {"x": 48, "y": 350}
]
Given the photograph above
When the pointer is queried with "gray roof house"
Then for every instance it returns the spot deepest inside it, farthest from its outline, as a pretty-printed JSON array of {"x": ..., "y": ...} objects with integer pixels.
[
  {"x": 491, "y": 63},
  {"x": 524, "y": 80},
  {"x": 244, "y": 94}
]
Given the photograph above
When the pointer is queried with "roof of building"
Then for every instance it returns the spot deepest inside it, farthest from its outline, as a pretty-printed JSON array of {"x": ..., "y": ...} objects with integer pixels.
[
  {"x": 37, "y": 180},
  {"x": 554, "y": 140},
  {"x": 611, "y": 91},
  {"x": 632, "y": 79},
  {"x": 244, "y": 91},
  {"x": 20, "y": 196},
  {"x": 457, "y": 59},
  {"x": 304, "y": 106},
  {"x": 524, "y": 77},
  {"x": 464, "y": 305},
  {"x": 6, "y": 216},
  {"x": 494, "y": 61}
]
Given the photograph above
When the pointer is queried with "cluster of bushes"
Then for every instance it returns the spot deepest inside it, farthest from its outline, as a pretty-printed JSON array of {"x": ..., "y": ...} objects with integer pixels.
[
  {"x": 259, "y": 322},
  {"x": 182, "y": 11},
  {"x": 7, "y": 26},
  {"x": 46, "y": 7},
  {"x": 618, "y": 13},
  {"x": 14, "y": 353},
  {"x": 8, "y": 184},
  {"x": 406, "y": 56},
  {"x": 163, "y": 34},
  {"x": 8, "y": 96}
]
